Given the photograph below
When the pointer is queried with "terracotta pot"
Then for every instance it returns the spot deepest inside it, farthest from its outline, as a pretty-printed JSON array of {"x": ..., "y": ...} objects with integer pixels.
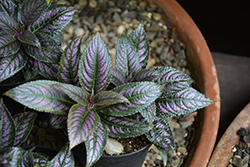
[
  {"x": 203, "y": 71},
  {"x": 223, "y": 151}
]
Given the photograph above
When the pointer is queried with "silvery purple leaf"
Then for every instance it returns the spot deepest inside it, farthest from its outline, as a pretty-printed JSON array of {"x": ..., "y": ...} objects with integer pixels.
[
  {"x": 41, "y": 95},
  {"x": 95, "y": 145},
  {"x": 149, "y": 112},
  {"x": 139, "y": 38},
  {"x": 7, "y": 127},
  {"x": 11, "y": 156},
  {"x": 76, "y": 93},
  {"x": 31, "y": 69},
  {"x": 8, "y": 44},
  {"x": 8, "y": 24},
  {"x": 127, "y": 60},
  {"x": 118, "y": 78},
  {"x": 173, "y": 80},
  {"x": 8, "y": 7},
  {"x": 47, "y": 70},
  {"x": 30, "y": 11},
  {"x": 146, "y": 75},
  {"x": 24, "y": 123},
  {"x": 69, "y": 63},
  {"x": 50, "y": 51},
  {"x": 27, "y": 159},
  {"x": 81, "y": 124},
  {"x": 164, "y": 154},
  {"x": 183, "y": 102},
  {"x": 59, "y": 37},
  {"x": 39, "y": 160},
  {"x": 58, "y": 121},
  {"x": 12, "y": 64},
  {"x": 139, "y": 94},
  {"x": 29, "y": 38},
  {"x": 108, "y": 98},
  {"x": 124, "y": 127},
  {"x": 161, "y": 134},
  {"x": 64, "y": 158},
  {"x": 54, "y": 19},
  {"x": 95, "y": 66}
]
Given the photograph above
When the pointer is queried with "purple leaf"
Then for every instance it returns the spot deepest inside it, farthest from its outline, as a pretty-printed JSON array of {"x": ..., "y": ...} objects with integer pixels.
[
  {"x": 7, "y": 127},
  {"x": 69, "y": 63},
  {"x": 30, "y": 70},
  {"x": 58, "y": 121},
  {"x": 27, "y": 159},
  {"x": 139, "y": 94},
  {"x": 41, "y": 95},
  {"x": 126, "y": 56},
  {"x": 8, "y": 44},
  {"x": 24, "y": 123},
  {"x": 11, "y": 156},
  {"x": 81, "y": 124},
  {"x": 183, "y": 102},
  {"x": 64, "y": 158},
  {"x": 8, "y": 24},
  {"x": 164, "y": 154},
  {"x": 139, "y": 38},
  {"x": 124, "y": 127},
  {"x": 47, "y": 70},
  {"x": 108, "y": 98},
  {"x": 12, "y": 64},
  {"x": 8, "y": 7},
  {"x": 146, "y": 75},
  {"x": 39, "y": 160},
  {"x": 30, "y": 11},
  {"x": 54, "y": 19},
  {"x": 95, "y": 66},
  {"x": 29, "y": 38},
  {"x": 118, "y": 78},
  {"x": 95, "y": 144},
  {"x": 149, "y": 113},
  {"x": 161, "y": 134},
  {"x": 173, "y": 80},
  {"x": 76, "y": 93},
  {"x": 50, "y": 51}
]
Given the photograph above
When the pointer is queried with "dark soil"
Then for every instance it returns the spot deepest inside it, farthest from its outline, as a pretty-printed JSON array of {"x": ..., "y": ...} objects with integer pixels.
[{"x": 18, "y": 77}]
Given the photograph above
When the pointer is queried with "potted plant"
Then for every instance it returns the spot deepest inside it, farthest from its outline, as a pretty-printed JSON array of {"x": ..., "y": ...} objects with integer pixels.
[
  {"x": 13, "y": 131},
  {"x": 137, "y": 102}
]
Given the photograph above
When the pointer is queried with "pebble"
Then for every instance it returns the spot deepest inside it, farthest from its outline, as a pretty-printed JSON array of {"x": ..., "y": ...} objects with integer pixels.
[
  {"x": 92, "y": 4},
  {"x": 120, "y": 29}
]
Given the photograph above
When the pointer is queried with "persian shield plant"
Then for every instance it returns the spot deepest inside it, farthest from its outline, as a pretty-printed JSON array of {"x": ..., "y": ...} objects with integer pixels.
[{"x": 30, "y": 37}]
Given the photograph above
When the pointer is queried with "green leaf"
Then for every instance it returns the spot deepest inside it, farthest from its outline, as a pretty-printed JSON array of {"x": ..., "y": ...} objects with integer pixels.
[
  {"x": 8, "y": 24},
  {"x": 183, "y": 102},
  {"x": 27, "y": 159},
  {"x": 108, "y": 98},
  {"x": 146, "y": 75},
  {"x": 39, "y": 160},
  {"x": 30, "y": 70},
  {"x": 76, "y": 93},
  {"x": 29, "y": 38},
  {"x": 81, "y": 124},
  {"x": 11, "y": 156},
  {"x": 41, "y": 95},
  {"x": 8, "y": 44},
  {"x": 58, "y": 121},
  {"x": 149, "y": 113},
  {"x": 164, "y": 154},
  {"x": 139, "y": 94},
  {"x": 118, "y": 78}
]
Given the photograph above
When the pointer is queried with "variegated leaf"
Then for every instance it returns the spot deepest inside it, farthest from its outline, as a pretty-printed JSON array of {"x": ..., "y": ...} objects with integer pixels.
[
  {"x": 8, "y": 24},
  {"x": 12, "y": 64},
  {"x": 50, "y": 51},
  {"x": 173, "y": 80},
  {"x": 64, "y": 158},
  {"x": 24, "y": 123},
  {"x": 118, "y": 78},
  {"x": 30, "y": 11},
  {"x": 108, "y": 98},
  {"x": 161, "y": 134},
  {"x": 27, "y": 159},
  {"x": 41, "y": 95},
  {"x": 139, "y": 94},
  {"x": 68, "y": 69},
  {"x": 183, "y": 102},
  {"x": 29, "y": 38},
  {"x": 127, "y": 60},
  {"x": 7, "y": 127},
  {"x": 95, "y": 145},
  {"x": 76, "y": 93},
  {"x": 7, "y": 7},
  {"x": 11, "y": 156},
  {"x": 30, "y": 70},
  {"x": 58, "y": 121},
  {"x": 40, "y": 161},
  {"x": 146, "y": 75},
  {"x": 149, "y": 112},
  {"x": 124, "y": 127},
  {"x": 47, "y": 70},
  {"x": 164, "y": 155},
  {"x": 54, "y": 19},
  {"x": 8, "y": 44},
  {"x": 139, "y": 38},
  {"x": 95, "y": 66},
  {"x": 81, "y": 124},
  {"x": 59, "y": 37}
]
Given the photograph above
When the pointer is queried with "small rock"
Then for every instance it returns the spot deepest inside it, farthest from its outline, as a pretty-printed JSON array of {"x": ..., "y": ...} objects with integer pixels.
[
  {"x": 117, "y": 18},
  {"x": 153, "y": 44},
  {"x": 247, "y": 139},
  {"x": 92, "y": 4},
  {"x": 99, "y": 19},
  {"x": 236, "y": 160},
  {"x": 120, "y": 29},
  {"x": 157, "y": 16},
  {"x": 79, "y": 31}
]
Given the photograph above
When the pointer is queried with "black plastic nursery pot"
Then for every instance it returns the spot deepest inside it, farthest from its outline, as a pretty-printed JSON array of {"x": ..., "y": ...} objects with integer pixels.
[{"x": 134, "y": 159}]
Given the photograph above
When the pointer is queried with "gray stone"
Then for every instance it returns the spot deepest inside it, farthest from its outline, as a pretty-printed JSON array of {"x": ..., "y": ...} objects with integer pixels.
[{"x": 117, "y": 17}]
